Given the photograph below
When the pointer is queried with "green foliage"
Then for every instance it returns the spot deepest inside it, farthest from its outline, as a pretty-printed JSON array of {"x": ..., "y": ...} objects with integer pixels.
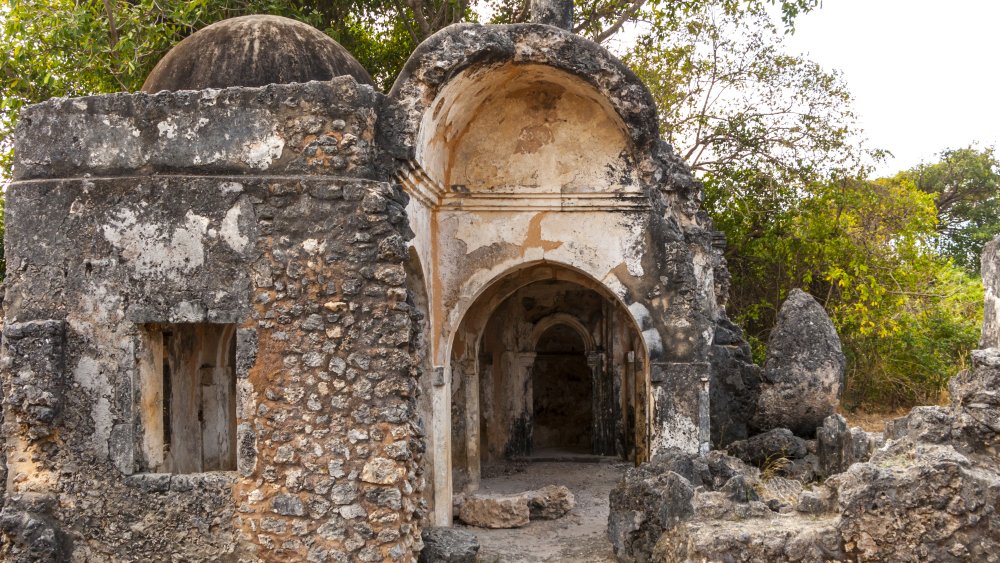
[
  {"x": 774, "y": 138},
  {"x": 738, "y": 107},
  {"x": 965, "y": 184},
  {"x": 866, "y": 250}
]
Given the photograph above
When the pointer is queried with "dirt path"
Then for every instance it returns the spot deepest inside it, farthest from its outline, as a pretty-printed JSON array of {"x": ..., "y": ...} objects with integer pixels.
[{"x": 580, "y": 536}]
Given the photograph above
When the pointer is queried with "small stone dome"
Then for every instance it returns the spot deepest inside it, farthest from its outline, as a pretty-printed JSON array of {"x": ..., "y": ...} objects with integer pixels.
[{"x": 253, "y": 51}]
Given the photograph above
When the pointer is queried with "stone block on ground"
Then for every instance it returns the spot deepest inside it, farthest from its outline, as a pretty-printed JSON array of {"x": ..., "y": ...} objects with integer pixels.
[
  {"x": 804, "y": 370},
  {"x": 495, "y": 511},
  {"x": 551, "y": 502},
  {"x": 448, "y": 545}
]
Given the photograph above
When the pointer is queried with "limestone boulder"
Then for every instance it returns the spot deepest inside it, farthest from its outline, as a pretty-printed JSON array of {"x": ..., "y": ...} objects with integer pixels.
[
  {"x": 796, "y": 538},
  {"x": 772, "y": 445},
  {"x": 550, "y": 503},
  {"x": 804, "y": 370},
  {"x": 735, "y": 385},
  {"x": 977, "y": 391},
  {"x": 495, "y": 511},
  {"x": 932, "y": 493},
  {"x": 921, "y": 502},
  {"x": 838, "y": 446},
  {"x": 448, "y": 545},
  {"x": 658, "y": 496}
]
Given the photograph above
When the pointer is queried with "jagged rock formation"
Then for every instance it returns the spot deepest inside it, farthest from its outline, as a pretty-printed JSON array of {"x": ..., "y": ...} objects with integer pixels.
[
  {"x": 804, "y": 370},
  {"x": 735, "y": 385},
  {"x": 931, "y": 493}
]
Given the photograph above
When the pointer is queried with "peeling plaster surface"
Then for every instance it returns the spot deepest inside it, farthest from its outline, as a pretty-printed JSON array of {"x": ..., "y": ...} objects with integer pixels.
[
  {"x": 230, "y": 230},
  {"x": 674, "y": 431},
  {"x": 261, "y": 154},
  {"x": 475, "y": 248},
  {"x": 533, "y": 118},
  {"x": 87, "y": 374},
  {"x": 155, "y": 248}
]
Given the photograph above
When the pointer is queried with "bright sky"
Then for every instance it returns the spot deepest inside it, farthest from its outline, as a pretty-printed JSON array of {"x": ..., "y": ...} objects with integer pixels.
[{"x": 924, "y": 73}]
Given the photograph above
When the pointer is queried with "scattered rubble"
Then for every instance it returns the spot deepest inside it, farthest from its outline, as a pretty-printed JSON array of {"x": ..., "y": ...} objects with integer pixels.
[{"x": 930, "y": 493}]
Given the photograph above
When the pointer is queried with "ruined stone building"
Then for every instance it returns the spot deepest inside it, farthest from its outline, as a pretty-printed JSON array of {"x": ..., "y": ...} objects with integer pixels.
[{"x": 261, "y": 310}]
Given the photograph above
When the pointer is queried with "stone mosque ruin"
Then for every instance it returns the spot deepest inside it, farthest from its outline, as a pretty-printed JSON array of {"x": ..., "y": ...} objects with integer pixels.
[{"x": 262, "y": 311}]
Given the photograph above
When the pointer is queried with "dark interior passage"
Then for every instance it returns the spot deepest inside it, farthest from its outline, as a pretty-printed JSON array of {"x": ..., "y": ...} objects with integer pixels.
[
  {"x": 561, "y": 389},
  {"x": 547, "y": 365}
]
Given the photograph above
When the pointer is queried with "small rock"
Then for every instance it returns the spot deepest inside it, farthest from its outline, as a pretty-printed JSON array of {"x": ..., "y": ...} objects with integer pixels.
[
  {"x": 288, "y": 505},
  {"x": 448, "y": 545},
  {"x": 817, "y": 501},
  {"x": 495, "y": 511},
  {"x": 838, "y": 446},
  {"x": 549, "y": 503},
  {"x": 382, "y": 471},
  {"x": 763, "y": 448}
]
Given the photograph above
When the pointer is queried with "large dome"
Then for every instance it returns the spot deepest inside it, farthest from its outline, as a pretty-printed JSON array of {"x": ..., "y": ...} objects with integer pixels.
[{"x": 253, "y": 51}]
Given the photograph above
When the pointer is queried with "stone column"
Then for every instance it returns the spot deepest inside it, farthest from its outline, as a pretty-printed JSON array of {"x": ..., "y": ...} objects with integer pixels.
[
  {"x": 990, "y": 268},
  {"x": 471, "y": 372},
  {"x": 441, "y": 443}
]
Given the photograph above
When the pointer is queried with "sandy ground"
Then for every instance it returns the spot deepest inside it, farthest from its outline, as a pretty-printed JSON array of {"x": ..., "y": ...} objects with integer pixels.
[{"x": 580, "y": 536}]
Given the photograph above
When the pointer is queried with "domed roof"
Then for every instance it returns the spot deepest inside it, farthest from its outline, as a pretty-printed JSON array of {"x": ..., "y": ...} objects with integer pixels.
[{"x": 253, "y": 51}]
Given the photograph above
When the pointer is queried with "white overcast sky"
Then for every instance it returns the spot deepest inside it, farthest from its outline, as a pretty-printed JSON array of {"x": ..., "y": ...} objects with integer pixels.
[{"x": 925, "y": 73}]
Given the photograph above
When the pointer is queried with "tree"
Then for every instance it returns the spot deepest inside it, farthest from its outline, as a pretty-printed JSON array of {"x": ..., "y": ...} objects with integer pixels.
[
  {"x": 965, "y": 184},
  {"x": 773, "y": 137}
]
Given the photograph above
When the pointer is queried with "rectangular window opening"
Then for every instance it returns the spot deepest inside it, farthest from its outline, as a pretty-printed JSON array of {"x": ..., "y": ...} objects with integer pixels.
[{"x": 188, "y": 395}]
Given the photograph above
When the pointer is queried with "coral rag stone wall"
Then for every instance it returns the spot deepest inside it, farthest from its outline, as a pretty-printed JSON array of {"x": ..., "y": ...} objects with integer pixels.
[{"x": 303, "y": 257}]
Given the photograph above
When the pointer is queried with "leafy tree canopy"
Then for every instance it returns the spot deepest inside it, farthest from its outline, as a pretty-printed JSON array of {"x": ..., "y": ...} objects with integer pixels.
[{"x": 965, "y": 184}]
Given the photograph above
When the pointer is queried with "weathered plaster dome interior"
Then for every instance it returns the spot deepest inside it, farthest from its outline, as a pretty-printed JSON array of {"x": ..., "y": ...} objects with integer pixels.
[
  {"x": 524, "y": 127},
  {"x": 253, "y": 51}
]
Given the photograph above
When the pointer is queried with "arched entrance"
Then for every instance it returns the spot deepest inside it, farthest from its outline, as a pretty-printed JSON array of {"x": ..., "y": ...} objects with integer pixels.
[{"x": 546, "y": 359}]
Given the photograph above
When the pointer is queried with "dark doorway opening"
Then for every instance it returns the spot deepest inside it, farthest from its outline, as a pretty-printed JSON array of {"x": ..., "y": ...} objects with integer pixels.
[{"x": 562, "y": 392}]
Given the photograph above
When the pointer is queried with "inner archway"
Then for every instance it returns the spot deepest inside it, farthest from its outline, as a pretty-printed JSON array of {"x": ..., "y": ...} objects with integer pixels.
[
  {"x": 562, "y": 393},
  {"x": 546, "y": 359}
]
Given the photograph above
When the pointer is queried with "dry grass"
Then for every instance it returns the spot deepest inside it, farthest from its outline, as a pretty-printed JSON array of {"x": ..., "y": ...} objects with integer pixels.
[{"x": 870, "y": 420}]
